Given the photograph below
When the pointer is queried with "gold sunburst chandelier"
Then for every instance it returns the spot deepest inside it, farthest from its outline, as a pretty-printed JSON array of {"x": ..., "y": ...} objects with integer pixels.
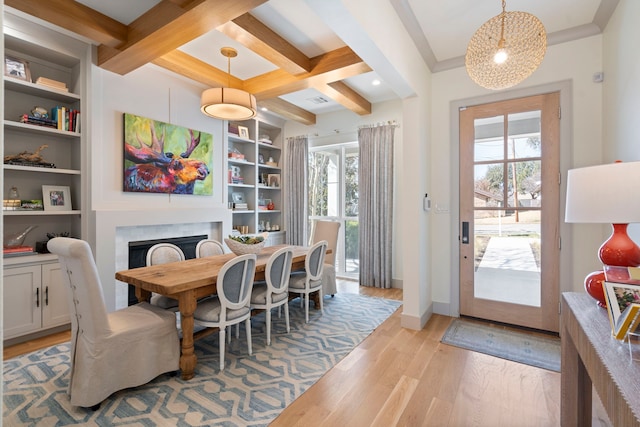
[{"x": 506, "y": 49}]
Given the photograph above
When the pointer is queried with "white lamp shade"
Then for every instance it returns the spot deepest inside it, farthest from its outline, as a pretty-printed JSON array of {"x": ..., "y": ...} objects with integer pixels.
[
  {"x": 228, "y": 104},
  {"x": 604, "y": 194}
]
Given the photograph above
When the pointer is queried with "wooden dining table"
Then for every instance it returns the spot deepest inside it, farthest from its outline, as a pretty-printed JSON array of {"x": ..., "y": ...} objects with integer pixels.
[{"x": 189, "y": 280}]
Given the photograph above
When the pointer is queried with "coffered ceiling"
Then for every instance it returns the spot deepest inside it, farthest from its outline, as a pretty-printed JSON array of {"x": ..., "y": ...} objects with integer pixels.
[{"x": 287, "y": 55}]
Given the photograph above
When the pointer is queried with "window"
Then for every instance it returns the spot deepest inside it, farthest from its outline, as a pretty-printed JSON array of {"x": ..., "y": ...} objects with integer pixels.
[{"x": 333, "y": 194}]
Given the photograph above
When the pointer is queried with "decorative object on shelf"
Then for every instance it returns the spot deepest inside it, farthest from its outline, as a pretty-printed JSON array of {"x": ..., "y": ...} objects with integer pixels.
[
  {"x": 265, "y": 139},
  {"x": 606, "y": 194},
  {"x": 274, "y": 180},
  {"x": 17, "y": 68},
  {"x": 40, "y": 112},
  {"x": 233, "y": 129},
  {"x": 506, "y": 49},
  {"x": 165, "y": 158},
  {"x": 56, "y": 198},
  {"x": 31, "y": 205},
  {"x": 235, "y": 154},
  {"x": 26, "y": 158},
  {"x": 243, "y": 132},
  {"x": 41, "y": 246},
  {"x": 13, "y": 202},
  {"x": 272, "y": 163},
  {"x": 270, "y": 205},
  {"x": 12, "y": 240},
  {"x": 242, "y": 245},
  {"x": 227, "y": 103},
  {"x": 261, "y": 159}
]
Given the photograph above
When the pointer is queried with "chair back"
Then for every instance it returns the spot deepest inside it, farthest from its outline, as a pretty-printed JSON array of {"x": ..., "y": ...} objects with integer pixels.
[
  {"x": 314, "y": 261},
  {"x": 162, "y": 253},
  {"x": 278, "y": 270},
  {"x": 326, "y": 230},
  {"x": 235, "y": 282},
  {"x": 79, "y": 272},
  {"x": 209, "y": 247}
]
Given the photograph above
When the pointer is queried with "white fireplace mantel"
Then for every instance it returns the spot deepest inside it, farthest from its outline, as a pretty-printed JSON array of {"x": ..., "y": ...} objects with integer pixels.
[{"x": 114, "y": 227}]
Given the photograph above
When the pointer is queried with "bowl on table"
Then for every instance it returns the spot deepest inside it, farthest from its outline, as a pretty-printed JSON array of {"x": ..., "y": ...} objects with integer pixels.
[{"x": 247, "y": 244}]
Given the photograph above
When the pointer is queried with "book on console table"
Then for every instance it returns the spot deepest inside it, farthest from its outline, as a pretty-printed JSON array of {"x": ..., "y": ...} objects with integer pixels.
[
  {"x": 623, "y": 307},
  {"x": 8, "y": 251}
]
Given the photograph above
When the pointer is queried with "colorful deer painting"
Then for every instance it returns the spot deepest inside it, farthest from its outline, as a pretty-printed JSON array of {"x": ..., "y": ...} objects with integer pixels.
[{"x": 164, "y": 158}]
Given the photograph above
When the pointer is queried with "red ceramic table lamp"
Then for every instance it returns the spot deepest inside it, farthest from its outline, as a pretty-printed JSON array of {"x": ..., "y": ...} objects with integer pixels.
[{"x": 606, "y": 194}]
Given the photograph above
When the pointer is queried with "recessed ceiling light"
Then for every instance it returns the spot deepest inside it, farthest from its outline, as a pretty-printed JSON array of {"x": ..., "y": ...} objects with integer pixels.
[
  {"x": 376, "y": 82},
  {"x": 264, "y": 108}
]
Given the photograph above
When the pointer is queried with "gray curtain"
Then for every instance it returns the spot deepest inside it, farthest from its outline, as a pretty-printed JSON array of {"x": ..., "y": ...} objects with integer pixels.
[
  {"x": 375, "y": 182},
  {"x": 295, "y": 185}
]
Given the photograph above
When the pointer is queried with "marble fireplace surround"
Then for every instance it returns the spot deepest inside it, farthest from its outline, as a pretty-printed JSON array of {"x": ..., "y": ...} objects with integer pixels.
[{"x": 115, "y": 229}]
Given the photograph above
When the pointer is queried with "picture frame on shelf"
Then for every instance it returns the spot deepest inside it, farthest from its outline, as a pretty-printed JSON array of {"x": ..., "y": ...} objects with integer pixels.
[
  {"x": 243, "y": 132},
  {"x": 273, "y": 180},
  {"x": 261, "y": 159},
  {"x": 17, "y": 68},
  {"x": 56, "y": 198},
  {"x": 237, "y": 197}
]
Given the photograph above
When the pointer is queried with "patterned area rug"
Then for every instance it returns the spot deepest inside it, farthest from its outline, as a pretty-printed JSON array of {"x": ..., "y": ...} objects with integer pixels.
[
  {"x": 534, "y": 350},
  {"x": 251, "y": 391}
]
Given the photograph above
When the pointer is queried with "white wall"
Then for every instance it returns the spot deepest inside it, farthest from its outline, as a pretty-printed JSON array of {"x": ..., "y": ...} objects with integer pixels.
[
  {"x": 621, "y": 130},
  {"x": 154, "y": 93},
  {"x": 574, "y": 61}
]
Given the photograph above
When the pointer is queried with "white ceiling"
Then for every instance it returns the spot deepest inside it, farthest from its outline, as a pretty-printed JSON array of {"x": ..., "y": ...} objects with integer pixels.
[{"x": 440, "y": 29}]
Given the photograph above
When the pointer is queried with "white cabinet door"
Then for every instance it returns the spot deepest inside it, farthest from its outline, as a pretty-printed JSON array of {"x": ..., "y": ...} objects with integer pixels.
[
  {"x": 22, "y": 300},
  {"x": 55, "y": 307}
]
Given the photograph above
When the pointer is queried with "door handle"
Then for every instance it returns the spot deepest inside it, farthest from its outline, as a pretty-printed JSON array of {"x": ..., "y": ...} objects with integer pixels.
[{"x": 465, "y": 232}]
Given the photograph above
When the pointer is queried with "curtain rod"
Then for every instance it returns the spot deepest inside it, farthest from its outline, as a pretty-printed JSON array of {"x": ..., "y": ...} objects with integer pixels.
[{"x": 352, "y": 130}]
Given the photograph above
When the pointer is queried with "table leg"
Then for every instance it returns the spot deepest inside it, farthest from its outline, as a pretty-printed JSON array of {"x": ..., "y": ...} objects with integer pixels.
[
  {"x": 575, "y": 384},
  {"x": 187, "y": 304}
]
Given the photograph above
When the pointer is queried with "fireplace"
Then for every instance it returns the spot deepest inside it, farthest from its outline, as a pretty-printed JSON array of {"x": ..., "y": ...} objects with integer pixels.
[{"x": 138, "y": 253}]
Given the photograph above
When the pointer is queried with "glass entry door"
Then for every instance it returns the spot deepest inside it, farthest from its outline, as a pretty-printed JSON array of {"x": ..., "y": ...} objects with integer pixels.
[{"x": 509, "y": 209}]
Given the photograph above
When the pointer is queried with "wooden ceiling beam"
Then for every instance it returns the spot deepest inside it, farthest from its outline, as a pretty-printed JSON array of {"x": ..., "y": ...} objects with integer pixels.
[
  {"x": 75, "y": 17},
  {"x": 262, "y": 40},
  {"x": 330, "y": 67},
  {"x": 199, "y": 71},
  {"x": 288, "y": 111},
  {"x": 166, "y": 27},
  {"x": 345, "y": 96}
]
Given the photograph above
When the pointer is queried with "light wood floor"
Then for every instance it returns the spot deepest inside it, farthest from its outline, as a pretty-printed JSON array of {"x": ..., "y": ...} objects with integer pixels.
[{"x": 402, "y": 377}]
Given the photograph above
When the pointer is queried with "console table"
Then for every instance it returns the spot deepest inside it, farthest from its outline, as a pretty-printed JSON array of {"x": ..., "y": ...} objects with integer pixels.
[{"x": 590, "y": 355}]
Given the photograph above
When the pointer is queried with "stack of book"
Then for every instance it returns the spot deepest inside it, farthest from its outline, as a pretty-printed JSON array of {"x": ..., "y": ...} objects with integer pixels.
[
  {"x": 40, "y": 121},
  {"x": 54, "y": 84},
  {"x": 240, "y": 207},
  {"x": 8, "y": 251}
]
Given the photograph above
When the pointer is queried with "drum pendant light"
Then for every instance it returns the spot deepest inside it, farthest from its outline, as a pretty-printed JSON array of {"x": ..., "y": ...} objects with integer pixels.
[{"x": 227, "y": 103}]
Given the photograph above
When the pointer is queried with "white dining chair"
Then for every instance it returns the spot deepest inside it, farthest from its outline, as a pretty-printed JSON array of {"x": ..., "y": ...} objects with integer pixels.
[
  {"x": 231, "y": 305},
  {"x": 273, "y": 292},
  {"x": 311, "y": 280},
  {"x": 110, "y": 351},
  {"x": 163, "y": 253},
  {"x": 209, "y": 247},
  {"x": 327, "y": 230}
]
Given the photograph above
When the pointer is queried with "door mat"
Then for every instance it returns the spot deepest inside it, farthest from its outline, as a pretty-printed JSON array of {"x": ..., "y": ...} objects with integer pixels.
[{"x": 539, "y": 351}]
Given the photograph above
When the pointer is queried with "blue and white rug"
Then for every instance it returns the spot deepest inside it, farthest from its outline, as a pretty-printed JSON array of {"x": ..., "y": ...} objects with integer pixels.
[{"x": 251, "y": 391}]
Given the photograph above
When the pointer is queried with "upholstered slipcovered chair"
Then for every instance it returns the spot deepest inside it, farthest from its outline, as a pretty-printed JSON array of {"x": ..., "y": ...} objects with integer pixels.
[
  {"x": 163, "y": 253},
  {"x": 209, "y": 247},
  {"x": 273, "y": 292},
  {"x": 231, "y": 305},
  {"x": 110, "y": 351},
  {"x": 327, "y": 230},
  {"x": 311, "y": 280}
]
